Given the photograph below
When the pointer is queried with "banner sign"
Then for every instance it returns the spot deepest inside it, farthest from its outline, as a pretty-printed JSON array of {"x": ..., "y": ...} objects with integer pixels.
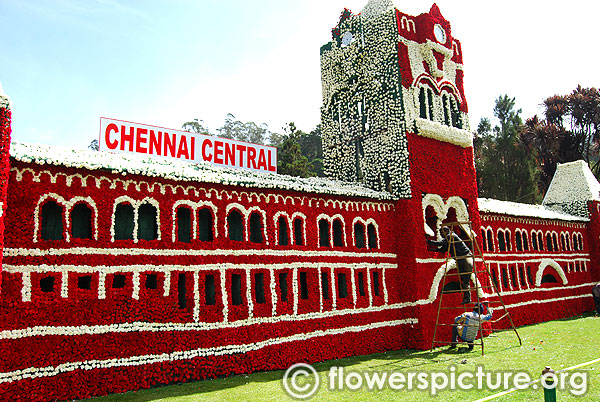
[{"x": 124, "y": 136}]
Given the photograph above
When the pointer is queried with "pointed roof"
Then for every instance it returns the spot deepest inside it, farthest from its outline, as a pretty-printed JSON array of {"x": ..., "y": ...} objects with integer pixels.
[{"x": 572, "y": 182}]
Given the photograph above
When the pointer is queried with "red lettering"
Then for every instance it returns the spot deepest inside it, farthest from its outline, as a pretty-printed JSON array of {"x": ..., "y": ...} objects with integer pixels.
[
  {"x": 140, "y": 138},
  {"x": 241, "y": 149},
  {"x": 170, "y": 142},
  {"x": 262, "y": 160},
  {"x": 110, "y": 128},
  {"x": 206, "y": 143},
  {"x": 251, "y": 157},
  {"x": 219, "y": 152},
  {"x": 229, "y": 154},
  {"x": 193, "y": 157},
  {"x": 183, "y": 148},
  {"x": 127, "y": 138},
  {"x": 155, "y": 142},
  {"x": 271, "y": 167}
]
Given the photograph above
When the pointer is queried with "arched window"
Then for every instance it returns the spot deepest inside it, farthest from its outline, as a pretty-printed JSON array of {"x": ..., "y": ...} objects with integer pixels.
[
  {"x": 508, "y": 242},
  {"x": 490, "y": 240},
  {"x": 147, "y": 225},
  {"x": 298, "y": 232},
  {"x": 184, "y": 224},
  {"x": 549, "y": 278},
  {"x": 372, "y": 235},
  {"x": 562, "y": 242},
  {"x": 52, "y": 221},
  {"x": 540, "y": 241},
  {"x": 447, "y": 110},
  {"x": 555, "y": 242},
  {"x": 525, "y": 242},
  {"x": 338, "y": 240},
  {"x": 518, "y": 241},
  {"x": 324, "y": 233},
  {"x": 359, "y": 235},
  {"x": 534, "y": 242},
  {"x": 454, "y": 111},
  {"x": 256, "y": 235},
  {"x": 81, "y": 222},
  {"x": 549, "y": 242},
  {"x": 483, "y": 240},
  {"x": 426, "y": 103},
  {"x": 501, "y": 241},
  {"x": 205, "y": 225},
  {"x": 282, "y": 231},
  {"x": 235, "y": 226},
  {"x": 124, "y": 221}
]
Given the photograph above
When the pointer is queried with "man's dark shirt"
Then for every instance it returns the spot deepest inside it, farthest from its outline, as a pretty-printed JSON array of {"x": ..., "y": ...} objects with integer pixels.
[{"x": 458, "y": 248}]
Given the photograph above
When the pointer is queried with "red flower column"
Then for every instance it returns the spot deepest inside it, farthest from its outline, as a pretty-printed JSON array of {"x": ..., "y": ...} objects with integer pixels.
[{"x": 5, "y": 117}]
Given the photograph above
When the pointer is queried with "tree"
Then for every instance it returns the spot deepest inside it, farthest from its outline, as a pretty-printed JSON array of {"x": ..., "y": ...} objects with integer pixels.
[
  {"x": 248, "y": 132},
  {"x": 196, "y": 126},
  {"x": 290, "y": 159},
  {"x": 505, "y": 170},
  {"x": 568, "y": 133}
]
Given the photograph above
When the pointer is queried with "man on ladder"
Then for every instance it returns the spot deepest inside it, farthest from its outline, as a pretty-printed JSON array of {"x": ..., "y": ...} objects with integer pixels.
[{"x": 461, "y": 254}]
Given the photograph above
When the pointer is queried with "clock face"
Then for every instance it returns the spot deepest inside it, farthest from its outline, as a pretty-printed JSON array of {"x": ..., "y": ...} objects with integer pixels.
[
  {"x": 440, "y": 34},
  {"x": 347, "y": 38}
]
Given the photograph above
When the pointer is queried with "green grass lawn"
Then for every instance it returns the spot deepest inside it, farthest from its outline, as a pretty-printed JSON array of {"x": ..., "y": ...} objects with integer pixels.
[{"x": 559, "y": 344}]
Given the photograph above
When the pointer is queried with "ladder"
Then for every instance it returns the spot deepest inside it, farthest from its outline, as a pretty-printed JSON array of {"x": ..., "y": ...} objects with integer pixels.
[{"x": 485, "y": 287}]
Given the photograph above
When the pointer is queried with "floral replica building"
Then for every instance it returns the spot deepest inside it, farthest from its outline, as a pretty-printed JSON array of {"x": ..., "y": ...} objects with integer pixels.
[{"x": 120, "y": 272}]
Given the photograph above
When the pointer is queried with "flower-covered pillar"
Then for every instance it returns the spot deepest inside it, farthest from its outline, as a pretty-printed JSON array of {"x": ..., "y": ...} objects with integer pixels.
[{"x": 5, "y": 118}]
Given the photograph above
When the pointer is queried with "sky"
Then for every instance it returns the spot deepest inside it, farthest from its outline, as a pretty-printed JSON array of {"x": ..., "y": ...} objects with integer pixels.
[{"x": 66, "y": 63}]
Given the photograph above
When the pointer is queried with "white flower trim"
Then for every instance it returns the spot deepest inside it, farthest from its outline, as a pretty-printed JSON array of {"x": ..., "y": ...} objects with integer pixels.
[
  {"x": 491, "y": 206},
  {"x": 441, "y": 209},
  {"x": 36, "y": 252},
  {"x": 440, "y": 132},
  {"x": 553, "y": 264},
  {"x": 66, "y": 214},
  {"x": 195, "y": 207},
  {"x": 202, "y": 191},
  {"x": 136, "y": 205},
  {"x": 204, "y": 172}
]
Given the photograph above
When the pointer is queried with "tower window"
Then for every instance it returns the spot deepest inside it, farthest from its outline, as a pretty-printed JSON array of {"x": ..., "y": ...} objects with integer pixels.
[
  {"x": 52, "y": 222},
  {"x": 303, "y": 286},
  {"x": 372, "y": 235},
  {"x": 325, "y": 285},
  {"x": 47, "y": 284},
  {"x": 184, "y": 225},
  {"x": 151, "y": 281},
  {"x": 298, "y": 232},
  {"x": 234, "y": 224},
  {"x": 259, "y": 288},
  {"x": 256, "y": 235},
  {"x": 324, "y": 233},
  {"x": 236, "y": 289},
  {"x": 118, "y": 281},
  {"x": 209, "y": 290},
  {"x": 359, "y": 235},
  {"x": 342, "y": 286},
  {"x": 84, "y": 282},
  {"x": 283, "y": 288},
  {"x": 81, "y": 221},
  {"x": 283, "y": 235},
  {"x": 205, "y": 225},
  {"x": 124, "y": 222},
  {"x": 147, "y": 225},
  {"x": 338, "y": 233}
]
